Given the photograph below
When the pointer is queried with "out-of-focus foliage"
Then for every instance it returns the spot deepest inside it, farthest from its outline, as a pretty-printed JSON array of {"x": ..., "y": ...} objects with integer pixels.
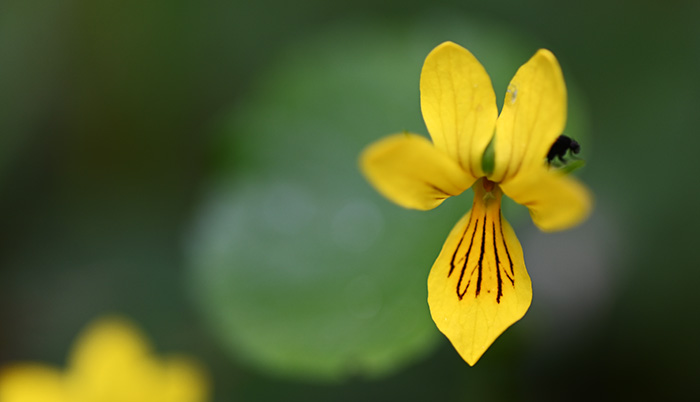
[{"x": 300, "y": 267}]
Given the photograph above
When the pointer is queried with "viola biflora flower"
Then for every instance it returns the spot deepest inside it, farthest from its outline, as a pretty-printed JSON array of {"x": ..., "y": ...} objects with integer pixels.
[
  {"x": 478, "y": 286},
  {"x": 111, "y": 362}
]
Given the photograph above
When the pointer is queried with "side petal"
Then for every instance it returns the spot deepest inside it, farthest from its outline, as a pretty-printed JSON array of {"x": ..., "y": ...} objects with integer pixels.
[
  {"x": 408, "y": 170},
  {"x": 556, "y": 202},
  {"x": 458, "y": 104},
  {"x": 533, "y": 116},
  {"x": 30, "y": 382},
  {"x": 478, "y": 286}
]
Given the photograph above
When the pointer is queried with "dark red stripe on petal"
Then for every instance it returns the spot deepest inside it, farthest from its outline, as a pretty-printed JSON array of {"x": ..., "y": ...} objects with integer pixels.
[
  {"x": 498, "y": 267},
  {"x": 454, "y": 255},
  {"x": 464, "y": 266},
  {"x": 510, "y": 261}
]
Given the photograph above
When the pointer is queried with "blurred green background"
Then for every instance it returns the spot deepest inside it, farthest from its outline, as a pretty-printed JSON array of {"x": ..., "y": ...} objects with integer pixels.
[{"x": 193, "y": 166}]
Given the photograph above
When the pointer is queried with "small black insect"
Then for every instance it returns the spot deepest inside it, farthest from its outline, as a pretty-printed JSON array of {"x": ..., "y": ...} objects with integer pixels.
[{"x": 560, "y": 147}]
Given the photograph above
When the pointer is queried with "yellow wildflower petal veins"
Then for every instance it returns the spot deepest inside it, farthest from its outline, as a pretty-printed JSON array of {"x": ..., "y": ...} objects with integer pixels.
[
  {"x": 458, "y": 105},
  {"x": 478, "y": 286}
]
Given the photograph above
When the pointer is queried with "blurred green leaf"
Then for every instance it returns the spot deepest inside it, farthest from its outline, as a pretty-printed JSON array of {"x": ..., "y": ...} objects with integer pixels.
[{"x": 300, "y": 267}]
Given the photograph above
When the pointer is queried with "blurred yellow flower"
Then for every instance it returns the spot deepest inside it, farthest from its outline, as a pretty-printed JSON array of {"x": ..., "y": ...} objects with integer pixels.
[
  {"x": 478, "y": 286},
  {"x": 110, "y": 362}
]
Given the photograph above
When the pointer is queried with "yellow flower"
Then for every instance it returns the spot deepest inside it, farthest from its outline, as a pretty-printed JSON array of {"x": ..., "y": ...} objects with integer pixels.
[
  {"x": 478, "y": 286},
  {"x": 111, "y": 362}
]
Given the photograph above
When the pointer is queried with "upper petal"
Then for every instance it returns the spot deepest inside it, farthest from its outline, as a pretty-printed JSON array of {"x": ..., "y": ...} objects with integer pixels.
[
  {"x": 458, "y": 104},
  {"x": 556, "y": 201},
  {"x": 533, "y": 116},
  {"x": 407, "y": 169}
]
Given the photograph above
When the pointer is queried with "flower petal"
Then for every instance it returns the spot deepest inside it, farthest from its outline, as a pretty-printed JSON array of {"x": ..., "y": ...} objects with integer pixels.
[
  {"x": 478, "y": 285},
  {"x": 533, "y": 116},
  {"x": 556, "y": 202},
  {"x": 407, "y": 169},
  {"x": 30, "y": 382},
  {"x": 111, "y": 360},
  {"x": 458, "y": 104},
  {"x": 184, "y": 381},
  {"x": 110, "y": 342}
]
